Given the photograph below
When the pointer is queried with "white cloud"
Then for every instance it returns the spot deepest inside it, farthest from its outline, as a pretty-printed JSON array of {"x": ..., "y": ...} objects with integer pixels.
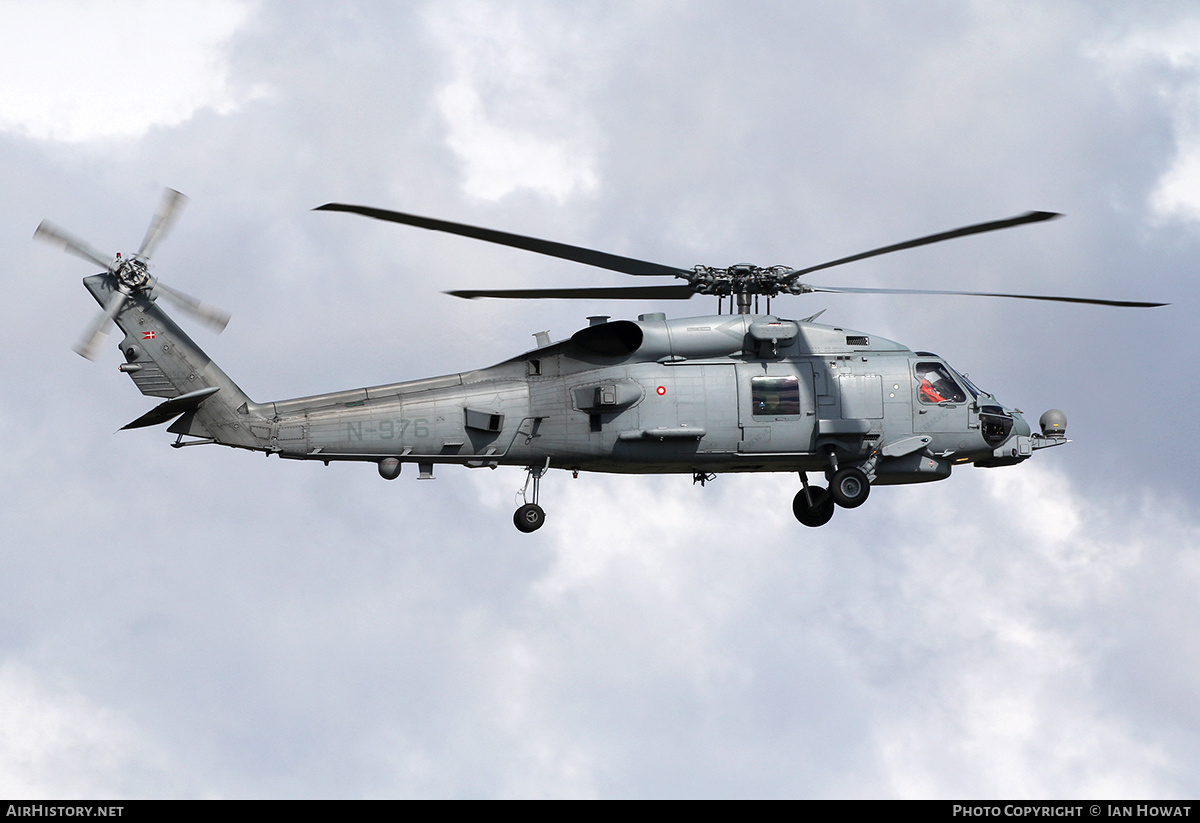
[
  {"x": 55, "y": 743},
  {"x": 1017, "y": 704},
  {"x": 969, "y": 645},
  {"x": 499, "y": 160},
  {"x": 1177, "y": 48},
  {"x": 512, "y": 110},
  {"x": 77, "y": 71},
  {"x": 1178, "y": 192}
]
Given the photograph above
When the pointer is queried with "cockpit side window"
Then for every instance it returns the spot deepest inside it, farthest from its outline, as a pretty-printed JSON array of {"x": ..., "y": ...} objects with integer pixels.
[{"x": 935, "y": 385}]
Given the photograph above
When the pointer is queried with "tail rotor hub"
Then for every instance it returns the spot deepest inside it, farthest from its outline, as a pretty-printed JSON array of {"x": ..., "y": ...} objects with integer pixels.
[{"x": 132, "y": 273}]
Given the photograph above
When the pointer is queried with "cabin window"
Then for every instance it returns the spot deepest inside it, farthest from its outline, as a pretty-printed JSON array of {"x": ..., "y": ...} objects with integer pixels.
[
  {"x": 935, "y": 385},
  {"x": 774, "y": 396}
]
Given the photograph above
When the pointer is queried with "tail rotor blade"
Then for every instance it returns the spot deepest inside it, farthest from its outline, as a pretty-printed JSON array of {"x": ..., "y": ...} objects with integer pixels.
[
  {"x": 47, "y": 232},
  {"x": 207, "y": 313},
  {"x": 161, "y": 223},
  {"x": 89, "y": 341}
]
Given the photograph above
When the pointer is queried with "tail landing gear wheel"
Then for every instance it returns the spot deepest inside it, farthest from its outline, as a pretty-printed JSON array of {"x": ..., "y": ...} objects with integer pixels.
[
  {"x": 529, "y": 518},
  {"x": 850, "y": 488},
  {"x": 820, "y": 511}
]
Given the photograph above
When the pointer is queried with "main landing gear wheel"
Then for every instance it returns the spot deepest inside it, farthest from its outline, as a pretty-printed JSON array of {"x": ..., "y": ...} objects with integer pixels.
[
  {"x": 821, "y": 510},
  {"x": 529, "y": 518},
  {"x": 850, "y": 488}
]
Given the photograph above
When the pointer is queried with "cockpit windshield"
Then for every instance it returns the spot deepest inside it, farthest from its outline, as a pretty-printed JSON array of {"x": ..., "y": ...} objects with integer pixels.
[{"x": 966, "y": 381}]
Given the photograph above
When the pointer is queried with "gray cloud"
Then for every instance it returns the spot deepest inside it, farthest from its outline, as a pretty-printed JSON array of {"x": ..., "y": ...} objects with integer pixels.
[{"x": 225, "y": 625}]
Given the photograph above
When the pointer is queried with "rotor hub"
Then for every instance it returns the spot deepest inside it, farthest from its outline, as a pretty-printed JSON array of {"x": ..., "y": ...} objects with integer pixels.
[
  {"x": 132, "y": 273},
  {"x": 742, "y": 278}
]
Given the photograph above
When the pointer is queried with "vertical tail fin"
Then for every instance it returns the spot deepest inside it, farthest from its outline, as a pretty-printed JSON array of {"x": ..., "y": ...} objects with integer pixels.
[{"x": 164, "y": 362}]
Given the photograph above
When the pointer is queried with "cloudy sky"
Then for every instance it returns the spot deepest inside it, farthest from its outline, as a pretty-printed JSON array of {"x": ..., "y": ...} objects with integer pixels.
[{"x": 209, "y": 623}]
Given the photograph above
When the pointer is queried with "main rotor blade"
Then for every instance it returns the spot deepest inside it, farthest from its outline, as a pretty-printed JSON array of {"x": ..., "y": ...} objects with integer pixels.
[
  {"x": 578, "y": 254},
  {"x": 93, "y": 334},
  {"x": 207, "y": 313},
  {"x": 978, "y": 228},
  {"x": 47, "y": 232},
  {"x": 161, "y": 223},
  {"x": 616, "y": 293},
  {"x": 1122, "y": 303}
]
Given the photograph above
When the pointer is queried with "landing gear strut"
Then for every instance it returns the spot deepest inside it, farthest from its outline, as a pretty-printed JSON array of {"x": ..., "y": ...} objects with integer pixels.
[
  {"x": 848, "y": 488},
  {"x": 530, "y": 516}
]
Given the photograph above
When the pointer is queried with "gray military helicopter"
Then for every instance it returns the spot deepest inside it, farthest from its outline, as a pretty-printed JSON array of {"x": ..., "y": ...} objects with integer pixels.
[{"x": 737, "y": 391}]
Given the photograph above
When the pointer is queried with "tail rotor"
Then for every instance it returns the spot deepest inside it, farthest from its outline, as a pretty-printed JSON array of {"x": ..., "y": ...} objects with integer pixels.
[
  {"x": 49, "y": 233},
  {"x": 132, "y": 274},
  {"x": 161, "y": 223},
  {"x": 94, "y": 333}
]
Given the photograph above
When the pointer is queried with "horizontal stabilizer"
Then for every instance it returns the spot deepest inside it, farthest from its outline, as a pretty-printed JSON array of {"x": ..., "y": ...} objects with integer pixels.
[{"x": 173, "y": 408}]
